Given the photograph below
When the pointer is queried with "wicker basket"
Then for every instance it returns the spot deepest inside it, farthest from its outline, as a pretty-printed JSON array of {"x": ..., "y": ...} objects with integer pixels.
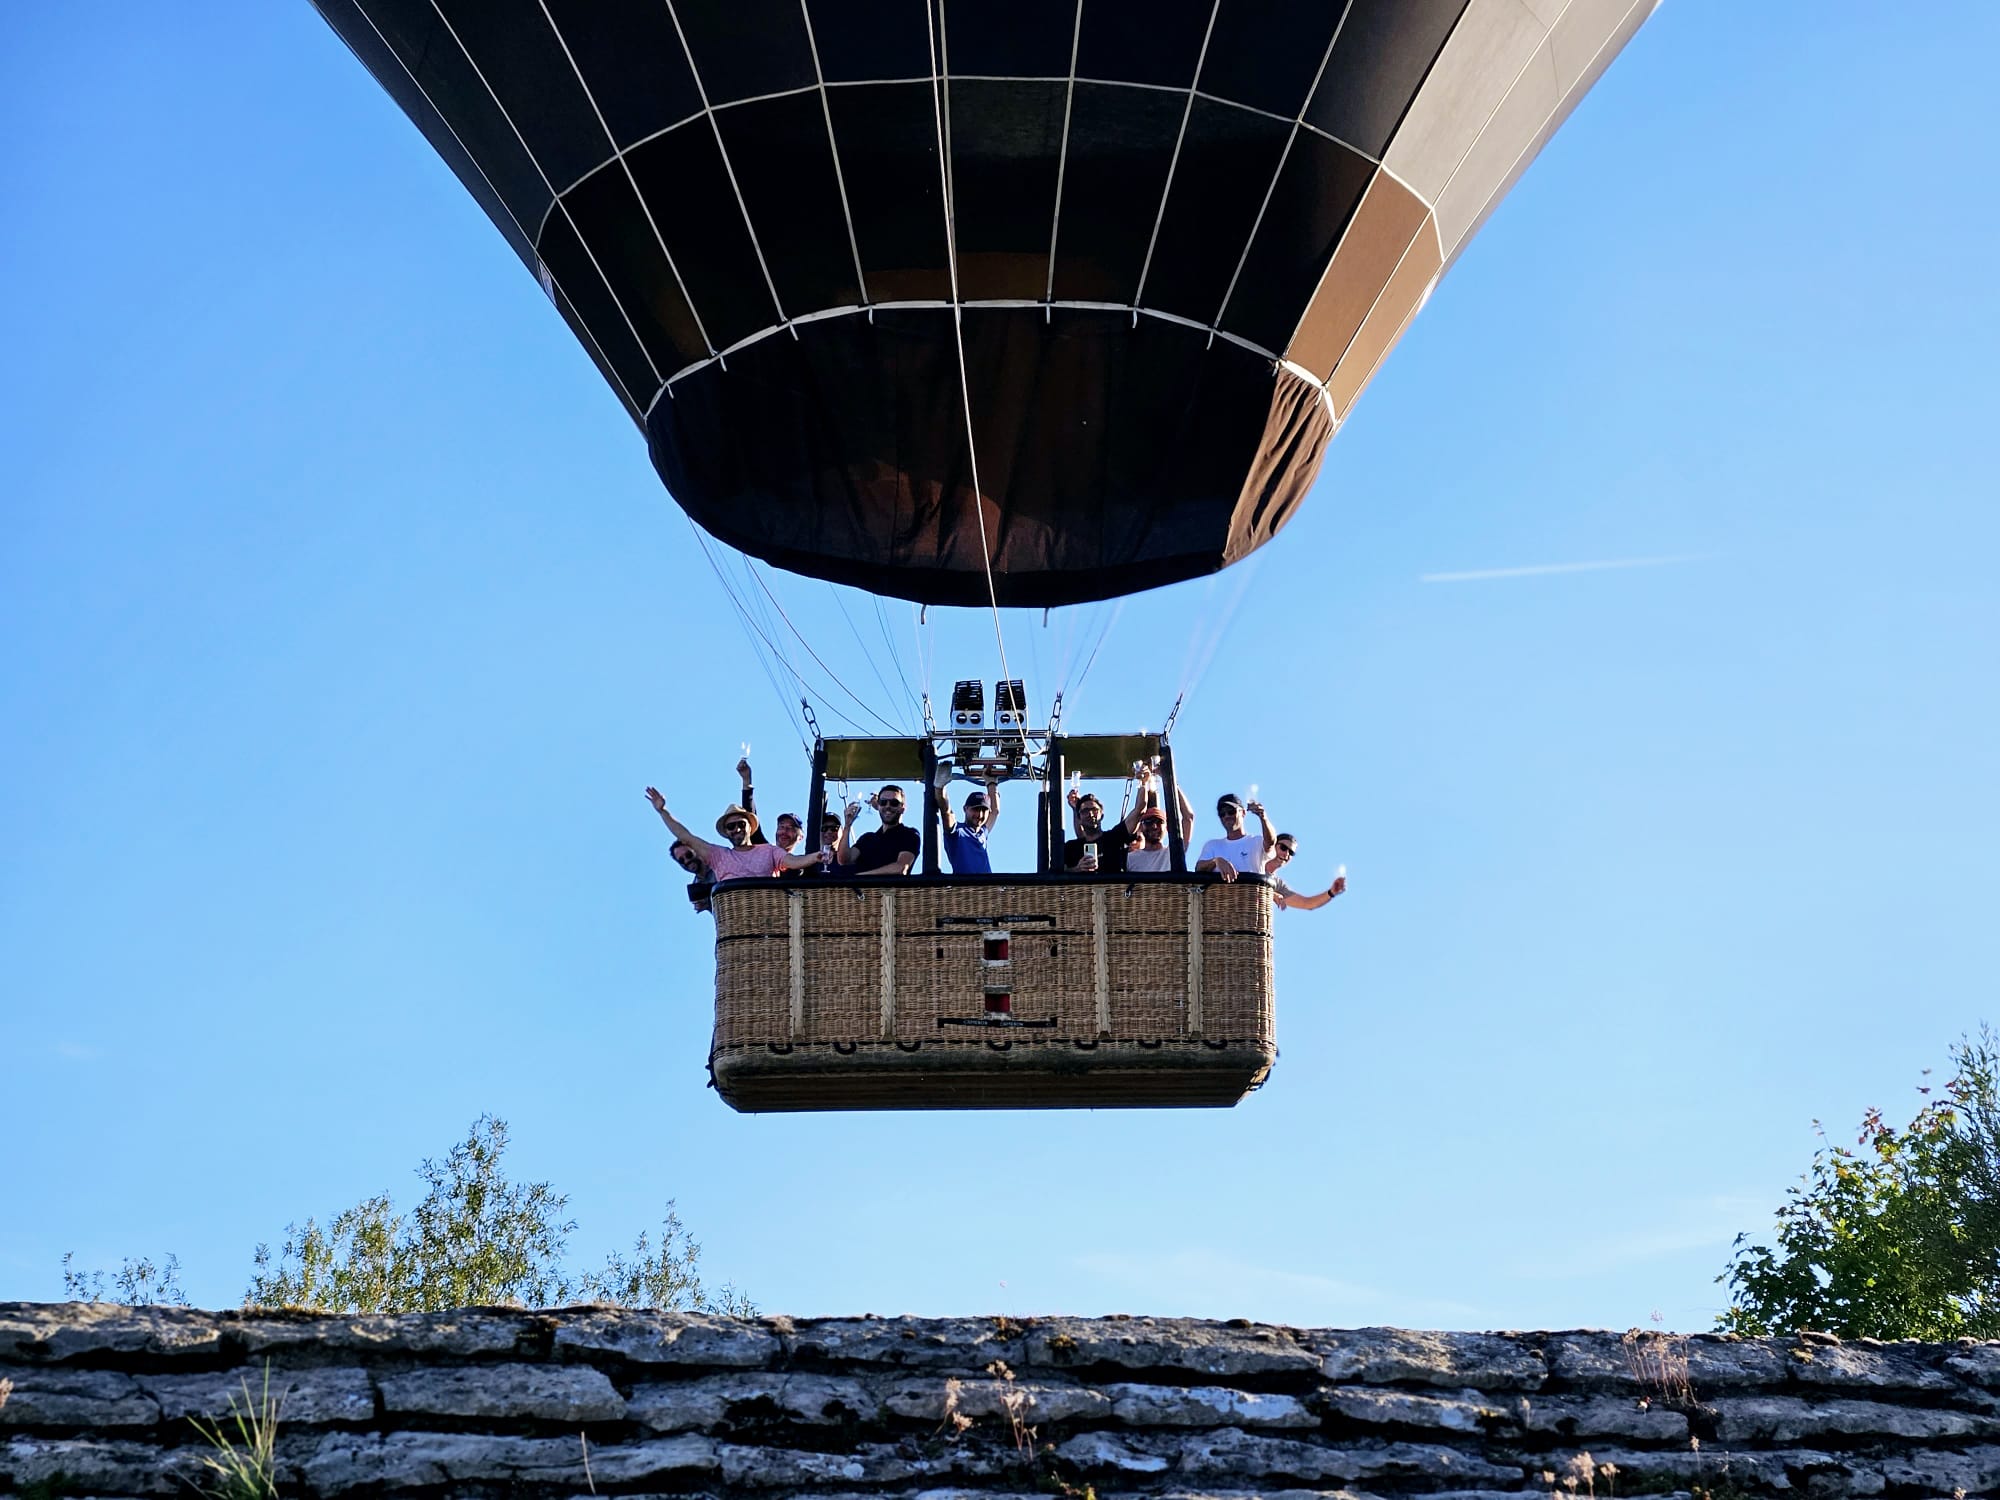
[{"x": 874, "y": 994}]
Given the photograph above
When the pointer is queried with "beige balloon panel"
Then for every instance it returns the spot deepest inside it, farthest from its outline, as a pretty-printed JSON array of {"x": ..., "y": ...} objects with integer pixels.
[{"x": 1506, "y": 80}]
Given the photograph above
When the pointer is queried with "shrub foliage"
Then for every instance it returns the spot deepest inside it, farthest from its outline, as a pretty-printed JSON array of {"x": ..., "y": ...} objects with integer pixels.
[
  {"x": 1897, "y": 1236},
  {"x": 474, "y": 1239}
]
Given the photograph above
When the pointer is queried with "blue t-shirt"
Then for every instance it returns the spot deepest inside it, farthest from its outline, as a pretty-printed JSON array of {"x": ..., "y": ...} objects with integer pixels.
[{"x": 967, "y": 851}]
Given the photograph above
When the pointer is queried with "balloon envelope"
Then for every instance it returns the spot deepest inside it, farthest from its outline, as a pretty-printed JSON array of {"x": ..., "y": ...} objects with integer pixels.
[{"x": 1161, "y": 244}]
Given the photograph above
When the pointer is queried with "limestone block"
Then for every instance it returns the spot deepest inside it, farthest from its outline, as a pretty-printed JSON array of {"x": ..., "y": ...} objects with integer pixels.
[
  {"x": 1979, "y": 1363},
  {"x": 1640, "y": 1470},
  {"x": 466, "y": 1333},
  {"x": 664, "y": 1338},
  {"x": 1882, "y": 1367},
  {"x": 1492, "y": 1362},
  {"x": 745, "y": 1467},
  {"x": 307, "y": 1397},
  {"x": 98, "y": 1465},
  {"x": 1244, "y": 1455},
  {"x": 1205, "y": 1406},
  {"x": 1098, "y": 1451},
  {"x": 348, "y": 1461},
  {"x": 1597, "y": 1361},
  {"x": 964, "y": 1345},
  {"x": 1169, "y": 1344},
  {"x": 1464, "y": 1412},
  {"x": 557, "y": 1393},
  {"x": 1971, "y": 1471},
  {"x": 33, "y": 1332},
  {"x": 1786, "y": 1419},
  {"x": 1605, "y": 1416},
  {"x": 91, "y": 1399},
  {"x": 986, "y": 1398},
  {"x": 714, "y": 1400}
]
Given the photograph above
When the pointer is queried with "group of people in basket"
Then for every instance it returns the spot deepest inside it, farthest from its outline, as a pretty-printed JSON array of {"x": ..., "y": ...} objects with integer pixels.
[{"x": 1135, "y": 845}]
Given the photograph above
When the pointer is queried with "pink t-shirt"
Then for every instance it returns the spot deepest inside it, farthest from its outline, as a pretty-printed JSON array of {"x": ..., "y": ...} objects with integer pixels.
[{"x": 737, "y": 864}]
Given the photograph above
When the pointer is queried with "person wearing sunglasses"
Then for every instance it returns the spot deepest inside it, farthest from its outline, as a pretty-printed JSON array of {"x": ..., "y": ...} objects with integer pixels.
[
  {"x": 1236, "y": 852},
  {"x": 889, "y": 850},
  {"x": 688, "y": 860},
  {"x": 1153, "y": 856},
  {"x": 1096, "y": 850},
  {"x": 738, "y": 859},
  {"x": 1291, "y": 900}
]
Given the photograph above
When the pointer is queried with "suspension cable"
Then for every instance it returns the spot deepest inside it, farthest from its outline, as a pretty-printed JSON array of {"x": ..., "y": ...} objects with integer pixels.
[
  {"x": 834, "y": 676},
  {"x": 748, "y": 627},
  {"x": 1082, "y": 676},
  {"x": 940, "y": 97},
  {"x": 895, "y": 657},
  {"x": 873, "y": 666}
]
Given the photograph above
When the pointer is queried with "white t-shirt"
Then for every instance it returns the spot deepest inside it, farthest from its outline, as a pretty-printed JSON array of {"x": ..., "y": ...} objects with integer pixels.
[
  {"x": 1150, "y": 861},
  {"x": 1246, "y": 853}
]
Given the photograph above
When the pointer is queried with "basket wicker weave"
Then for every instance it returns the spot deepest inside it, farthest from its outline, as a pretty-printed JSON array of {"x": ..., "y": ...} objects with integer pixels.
[{"x": 871, "y": 994}]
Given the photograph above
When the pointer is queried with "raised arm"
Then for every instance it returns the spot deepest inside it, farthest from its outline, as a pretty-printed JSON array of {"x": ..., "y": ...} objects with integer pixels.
[
  {"x": 1270, "y": 833},
  {"x": 748, "y": 801},
  {"x": 1187, "y": 814},
  {"x": 847, "y": 832},
  {"x": 941, "y": 789},
  {"x": 992, "y": 800},
  {"x": 706, "y": 848},
  {"x": 801, "y": 861},
  {"x": 1314, "y": 903}
]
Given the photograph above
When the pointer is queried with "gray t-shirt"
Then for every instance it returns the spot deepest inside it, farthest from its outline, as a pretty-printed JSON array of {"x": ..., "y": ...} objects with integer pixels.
[{"x": 1150, "y": 861}]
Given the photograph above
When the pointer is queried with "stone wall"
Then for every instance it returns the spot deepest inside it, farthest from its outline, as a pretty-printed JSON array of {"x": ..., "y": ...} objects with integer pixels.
[{"x": 98, "y": 1401}]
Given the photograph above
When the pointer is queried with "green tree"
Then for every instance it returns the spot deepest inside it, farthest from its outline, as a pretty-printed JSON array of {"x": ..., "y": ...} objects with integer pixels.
[
  {"x": 1895, "y": 1237},
  {"x": 474, "y": 1239}
]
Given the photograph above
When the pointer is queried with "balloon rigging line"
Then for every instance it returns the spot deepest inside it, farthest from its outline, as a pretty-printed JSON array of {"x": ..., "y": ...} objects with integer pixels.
[
  {"x": 748, "y": 626},
  {"x": 873, "y": 665},
  {"x": 1200, "y": 619},
  {"x": 1223, "y": 624},
  {"x": 550, "y": 285},
  {"x": 610, "y": 290},
  {"x": 775, "y": 639},
  {"x": 940, "y": 96},
  {"x": 835, "y": 676},
  {"x": 1062, "y": 164},
  {"x": 612, "y": 141},
  {"x": 1116, "y": 611},
  {"x": 895, "y": 656},
  {"x": 728, "y": 169},
  {"x": 833, "y": 147},
  {"x": 1173, "y": 162},
  {"x": 1278, "y": 172}
]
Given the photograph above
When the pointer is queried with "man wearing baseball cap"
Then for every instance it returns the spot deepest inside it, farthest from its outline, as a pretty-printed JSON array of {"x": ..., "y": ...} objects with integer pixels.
[
  {"x": 965, "y": 838},
  {"x": 1237, "y": 852}
]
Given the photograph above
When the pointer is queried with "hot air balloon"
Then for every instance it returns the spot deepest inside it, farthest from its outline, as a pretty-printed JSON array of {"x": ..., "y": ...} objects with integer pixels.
[
  {"x": 1128, "y": 262},
  {"x": 984, "y": 303}
]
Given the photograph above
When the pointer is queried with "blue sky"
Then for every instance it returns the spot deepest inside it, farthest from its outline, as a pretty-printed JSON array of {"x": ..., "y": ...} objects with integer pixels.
[{"x": 345, "y": 620}]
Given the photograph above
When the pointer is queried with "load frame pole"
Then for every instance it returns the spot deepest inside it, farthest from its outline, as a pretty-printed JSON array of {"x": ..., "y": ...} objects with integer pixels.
[
  {"x": 1170, "y": 804},
  {"x": 1052, "y": 808},
  {"x": 932, "y": 833},
  {"x": 816, "y": 800}
]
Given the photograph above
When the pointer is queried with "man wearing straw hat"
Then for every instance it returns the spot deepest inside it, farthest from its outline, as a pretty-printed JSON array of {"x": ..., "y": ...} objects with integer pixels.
[{"x": 739, "y": 859}]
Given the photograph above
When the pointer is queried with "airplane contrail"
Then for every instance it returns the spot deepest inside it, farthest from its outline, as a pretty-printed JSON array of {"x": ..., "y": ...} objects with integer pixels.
[{"x": 1535, "y": 569}]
